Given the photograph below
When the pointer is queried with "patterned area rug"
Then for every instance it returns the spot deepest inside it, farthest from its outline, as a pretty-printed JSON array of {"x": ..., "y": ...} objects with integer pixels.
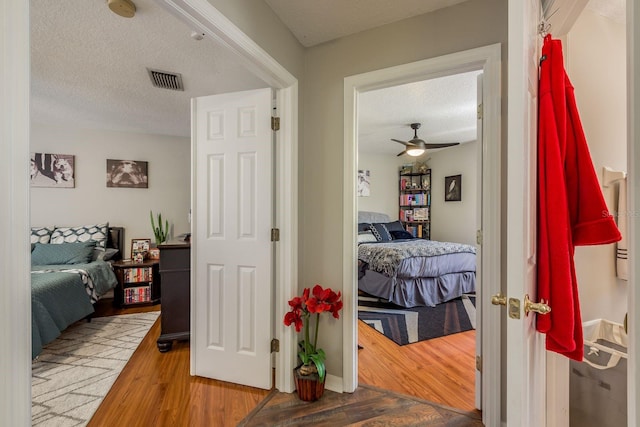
[
  {"x": 75, "y": 372},
  {"x": 410, "y": 325}
]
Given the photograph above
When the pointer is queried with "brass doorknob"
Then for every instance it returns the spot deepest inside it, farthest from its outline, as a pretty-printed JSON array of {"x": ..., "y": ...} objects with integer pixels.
[
  {"x": 499, "y": 299},
  {"x": 538, "y": 307}
]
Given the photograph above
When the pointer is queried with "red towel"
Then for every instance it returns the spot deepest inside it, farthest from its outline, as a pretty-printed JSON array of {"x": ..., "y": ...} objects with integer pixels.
[{"x": 571, "y": 208}]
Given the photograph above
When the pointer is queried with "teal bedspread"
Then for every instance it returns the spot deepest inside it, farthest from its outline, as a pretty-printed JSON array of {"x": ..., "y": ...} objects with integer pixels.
[
  {"x": 57, "y": 301},
  {"x": 62, "y": 295}
]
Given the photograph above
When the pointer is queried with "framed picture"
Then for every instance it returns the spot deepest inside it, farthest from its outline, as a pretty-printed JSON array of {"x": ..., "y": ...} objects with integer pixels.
[
  {"x": 364, "y": 182},
  {"x": 52, "y": 170},
  {"x": 453, "y": 188},
  {"x": 127, "y": 173},
  {"x": 140, "y": 249}
]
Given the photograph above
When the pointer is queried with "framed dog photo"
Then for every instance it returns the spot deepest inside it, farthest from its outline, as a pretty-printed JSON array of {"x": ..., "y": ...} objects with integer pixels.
[
  {"x": 127, "y": 173},
  {"x": 52, "y": 170}
]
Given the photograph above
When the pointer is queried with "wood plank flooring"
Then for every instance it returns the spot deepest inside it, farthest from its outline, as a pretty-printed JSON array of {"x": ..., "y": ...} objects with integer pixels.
[
  {"x": 156, "y": 388},
  {"x": 440, "y": 370}
]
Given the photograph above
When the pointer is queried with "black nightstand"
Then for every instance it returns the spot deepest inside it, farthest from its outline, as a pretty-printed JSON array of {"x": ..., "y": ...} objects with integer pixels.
[{"x": 138, "y": 283}]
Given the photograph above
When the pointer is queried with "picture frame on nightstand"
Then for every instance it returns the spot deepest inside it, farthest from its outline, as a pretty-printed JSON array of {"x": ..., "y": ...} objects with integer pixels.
[{"x": 140, "y": 249}]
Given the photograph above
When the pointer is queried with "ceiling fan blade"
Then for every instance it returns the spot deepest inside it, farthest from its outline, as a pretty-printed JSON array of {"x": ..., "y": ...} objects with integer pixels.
[
  {"x": 400, "y": 154},
  {"x": 441, "y": 145},
  {"x": 401, "y": 142}
]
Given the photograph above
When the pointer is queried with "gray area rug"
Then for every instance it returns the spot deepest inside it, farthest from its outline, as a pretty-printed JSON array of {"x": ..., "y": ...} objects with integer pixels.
[
  {"x": 409, "y": 325},
  {"x": 75, "y": 372}
]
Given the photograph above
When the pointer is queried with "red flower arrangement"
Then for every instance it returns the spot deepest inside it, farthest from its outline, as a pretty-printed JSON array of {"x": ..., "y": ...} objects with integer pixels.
[{"x": 316, "y": 302}]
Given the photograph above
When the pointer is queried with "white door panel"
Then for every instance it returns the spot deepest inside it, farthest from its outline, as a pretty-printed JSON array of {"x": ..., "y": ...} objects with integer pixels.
[
  {"x": 232, "y": 144},
  {"x": 526, "y": 369}
]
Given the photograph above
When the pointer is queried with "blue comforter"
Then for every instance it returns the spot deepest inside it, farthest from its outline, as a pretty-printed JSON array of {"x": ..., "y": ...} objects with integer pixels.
[{"x": 60, "y": 298}]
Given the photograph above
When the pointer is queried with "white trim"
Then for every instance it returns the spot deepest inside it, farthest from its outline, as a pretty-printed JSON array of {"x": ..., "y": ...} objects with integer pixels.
[
  {"x": 486, "y": 59},
  {"x": 287, "y": 222},
  {"x": 15, "y": 283},
  {"x": 207, "y": 18},
  {"x": 633, "y": 168},
  {"x": 203, "y": 16}
]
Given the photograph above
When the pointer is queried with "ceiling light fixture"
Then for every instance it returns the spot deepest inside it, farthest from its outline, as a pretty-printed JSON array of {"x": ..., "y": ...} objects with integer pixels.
[
  {"x": 124, "y": 8},
  {"x": 415, "y": 151}
]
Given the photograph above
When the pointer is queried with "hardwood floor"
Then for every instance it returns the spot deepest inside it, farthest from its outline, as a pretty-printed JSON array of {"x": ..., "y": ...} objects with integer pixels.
[
  {"x": 440, "y": 370},
  {"x": 156, "y": 388}
]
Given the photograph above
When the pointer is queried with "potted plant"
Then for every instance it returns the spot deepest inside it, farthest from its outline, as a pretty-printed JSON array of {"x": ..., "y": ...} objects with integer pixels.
[
  {"x": 311, "y": 374},
  {"x": 161, "y": 232}
]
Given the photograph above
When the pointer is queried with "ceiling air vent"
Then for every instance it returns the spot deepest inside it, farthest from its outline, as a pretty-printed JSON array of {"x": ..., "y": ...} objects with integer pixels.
[{"x": 166, "y": 80}]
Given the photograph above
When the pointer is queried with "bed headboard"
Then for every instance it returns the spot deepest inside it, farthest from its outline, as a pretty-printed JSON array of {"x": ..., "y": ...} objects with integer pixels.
[
  {"x": 116, "y": 240},
  {"x": 364, "y": 216}
]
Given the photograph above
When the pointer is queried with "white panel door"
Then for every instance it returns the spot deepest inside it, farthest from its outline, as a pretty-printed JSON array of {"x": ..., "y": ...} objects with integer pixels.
[
  {"x": 232, "y": 190},
  {"x": 526, "y": 370}
]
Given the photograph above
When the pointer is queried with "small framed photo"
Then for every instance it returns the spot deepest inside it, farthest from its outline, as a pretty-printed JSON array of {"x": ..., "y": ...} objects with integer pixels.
[
  {"x": 140, "y": 249},
  {"x": 127, "y": 173},
  {"x": 453, "y": 188}
]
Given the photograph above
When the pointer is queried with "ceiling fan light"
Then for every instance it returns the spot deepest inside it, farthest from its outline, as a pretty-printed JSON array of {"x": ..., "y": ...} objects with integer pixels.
[{"x": 415, "y": 152}]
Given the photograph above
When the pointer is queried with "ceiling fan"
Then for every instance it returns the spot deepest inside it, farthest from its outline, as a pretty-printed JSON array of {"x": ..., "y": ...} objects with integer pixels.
[{"x": 417, "y": 146}]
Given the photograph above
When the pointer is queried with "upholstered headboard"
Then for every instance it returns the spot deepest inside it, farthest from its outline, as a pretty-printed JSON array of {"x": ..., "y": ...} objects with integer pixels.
[
  {"x": 364, "y": 216},
  {"x": 116, "y": 240}
]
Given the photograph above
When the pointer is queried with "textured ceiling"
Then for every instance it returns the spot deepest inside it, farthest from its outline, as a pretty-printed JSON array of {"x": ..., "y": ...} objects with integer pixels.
[
  {"x": 446, "y": 108},
  {"x": 318, "y": 21},
  {"x": 88, "y": 67}
]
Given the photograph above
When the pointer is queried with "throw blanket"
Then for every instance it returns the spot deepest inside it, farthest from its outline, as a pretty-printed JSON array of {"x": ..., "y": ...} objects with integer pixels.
[
  {"x": 98, "y": 277},
  {"x": 386, "y": 257}
]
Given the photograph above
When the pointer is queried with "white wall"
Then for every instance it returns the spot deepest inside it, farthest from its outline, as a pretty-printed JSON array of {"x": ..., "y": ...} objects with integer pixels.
[
  {"x": 384, "y": 195},
  {"x": 596, "y": 65},
  {"x": 91, "y": 202},
  {"x": 454, "y": 221},
  {"x": 450, "y": 221}
]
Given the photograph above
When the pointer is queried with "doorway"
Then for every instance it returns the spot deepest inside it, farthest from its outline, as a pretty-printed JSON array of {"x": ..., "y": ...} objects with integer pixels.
[
  {"x": 487, "y": 60},
  {"x": 446, "y": 110}
]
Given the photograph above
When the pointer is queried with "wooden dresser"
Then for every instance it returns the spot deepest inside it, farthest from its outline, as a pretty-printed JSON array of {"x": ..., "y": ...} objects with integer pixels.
[{"x": 175, "y": 273}]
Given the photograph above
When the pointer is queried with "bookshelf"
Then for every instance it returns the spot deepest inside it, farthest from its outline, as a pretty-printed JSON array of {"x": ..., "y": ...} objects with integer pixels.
[
  {"x": 138, "y": 283},
  {"x": 415, "y": 203}
]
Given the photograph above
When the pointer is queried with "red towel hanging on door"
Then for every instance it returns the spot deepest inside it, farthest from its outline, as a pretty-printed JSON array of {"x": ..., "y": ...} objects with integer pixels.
[{"x": 571, "y": 208}]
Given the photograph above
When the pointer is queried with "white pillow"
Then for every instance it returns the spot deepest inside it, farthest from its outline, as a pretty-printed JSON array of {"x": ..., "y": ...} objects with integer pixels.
[
  {"x": 86, "y": 233},
  {"x": 366, "y": 237},
  {"x": 41, "y": 234}
]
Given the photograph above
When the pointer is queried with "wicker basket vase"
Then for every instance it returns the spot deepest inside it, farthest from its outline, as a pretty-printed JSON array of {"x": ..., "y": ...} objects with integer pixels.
[{"x": 309, "y": 387}]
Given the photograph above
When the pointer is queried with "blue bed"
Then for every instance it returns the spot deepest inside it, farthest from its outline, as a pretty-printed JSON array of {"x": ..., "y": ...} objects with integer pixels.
[
  {"x": 62, "y": 294},
  {"x": 411, "y": 272}
]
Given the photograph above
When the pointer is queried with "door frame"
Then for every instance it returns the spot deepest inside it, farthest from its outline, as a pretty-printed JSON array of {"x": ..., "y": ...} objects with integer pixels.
[
  {"x": 206, "y": 18},
  {"x": 487, "y": 59}
]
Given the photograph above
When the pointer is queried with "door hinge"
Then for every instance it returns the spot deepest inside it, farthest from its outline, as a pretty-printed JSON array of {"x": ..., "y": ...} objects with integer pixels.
[
  {"x": 275, "y": 123},
  {"x": 478, "y": 363},
  {"x": 275, "y": 345},
  {"x": 479, "y": 237},
  {"x": 480, "y": 111},
  {"x": 275, "y": 234}
]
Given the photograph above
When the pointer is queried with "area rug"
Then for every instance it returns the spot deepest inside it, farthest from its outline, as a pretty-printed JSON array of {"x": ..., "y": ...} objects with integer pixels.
[
  {"x": 75, "y": 372},
  {"x": 410, "y": 325}
]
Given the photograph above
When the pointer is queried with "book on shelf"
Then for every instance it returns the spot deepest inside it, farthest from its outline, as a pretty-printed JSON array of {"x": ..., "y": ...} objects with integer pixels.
[
  {"x": 137, "y": 294},
  {"x": 139, "y": 274}
]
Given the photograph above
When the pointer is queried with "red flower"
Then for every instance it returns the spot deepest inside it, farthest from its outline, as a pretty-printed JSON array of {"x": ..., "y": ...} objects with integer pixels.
[
  {"x": 324, "y": 300},
  {"x": 293, "y": 317},
  {"x": 300, "y": 315}
]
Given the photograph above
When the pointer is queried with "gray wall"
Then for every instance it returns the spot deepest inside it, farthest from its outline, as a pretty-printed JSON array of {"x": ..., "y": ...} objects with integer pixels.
[{"x": 465, "y": 26}]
